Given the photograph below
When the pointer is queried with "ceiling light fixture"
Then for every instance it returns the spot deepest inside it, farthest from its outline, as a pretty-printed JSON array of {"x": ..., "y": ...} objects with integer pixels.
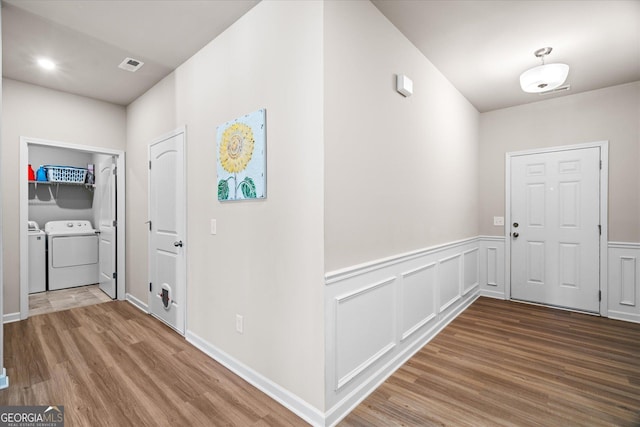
[
  {"x": 46, "y": 63},
  {"x": 544, "y": 77}
]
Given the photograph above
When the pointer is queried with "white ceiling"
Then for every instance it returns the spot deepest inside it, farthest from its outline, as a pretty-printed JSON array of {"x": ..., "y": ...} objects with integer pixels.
[
  {"x": 481, "y": 46},
  {"x": 89, "y": 39}
]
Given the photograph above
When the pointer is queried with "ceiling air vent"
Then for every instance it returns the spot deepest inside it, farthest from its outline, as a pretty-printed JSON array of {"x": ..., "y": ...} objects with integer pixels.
[
  {"x": 558, "y": 89},
  {"x": 131, "y": 64}
]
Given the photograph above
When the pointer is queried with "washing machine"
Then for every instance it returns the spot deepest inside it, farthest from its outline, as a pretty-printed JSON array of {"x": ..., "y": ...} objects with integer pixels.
[
  {"x": 37, "y": 259},
  {"x": 72, "y": 258}
]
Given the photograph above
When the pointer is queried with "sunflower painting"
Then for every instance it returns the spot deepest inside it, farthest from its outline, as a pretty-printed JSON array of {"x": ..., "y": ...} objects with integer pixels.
[{"x": 241, "y": 157}]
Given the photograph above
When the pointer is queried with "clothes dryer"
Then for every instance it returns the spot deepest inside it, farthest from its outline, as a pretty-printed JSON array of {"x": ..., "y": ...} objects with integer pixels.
[{"x": 72, "y": 258}]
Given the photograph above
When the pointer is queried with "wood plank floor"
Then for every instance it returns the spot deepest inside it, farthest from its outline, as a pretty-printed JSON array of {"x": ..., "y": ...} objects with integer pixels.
[
  {"x": 112, "y": 365},
  {"x": 503, "y": 363},
  {"x": 498, "y": 364}
]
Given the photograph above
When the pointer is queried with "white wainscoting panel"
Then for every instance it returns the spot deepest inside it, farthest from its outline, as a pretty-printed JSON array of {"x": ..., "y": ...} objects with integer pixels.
[
  {"x": 417, "y": 299},
  {"x": 367, "y": 328},
  {"x": 381, "y": 313},
  {"x": 492, "y": 266},
  {"x": 449, "y": 281},
  {"x": 624, "y": 281},
  {"x": 471, "y": 267}
]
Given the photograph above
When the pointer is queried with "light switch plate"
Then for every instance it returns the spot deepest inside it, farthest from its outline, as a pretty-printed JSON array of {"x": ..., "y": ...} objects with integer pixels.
[
  {"x": 498, "y": 220},
  {"x": 214, "y": 227},
  {"x": 239, "y": 324}
]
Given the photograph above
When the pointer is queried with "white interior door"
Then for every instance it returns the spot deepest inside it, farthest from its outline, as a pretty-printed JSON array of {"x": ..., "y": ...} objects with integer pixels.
[
  {"x": 167, "y": 203},
  {"x": 555, "y": 228},
  {"x": 106, "y": 195}
]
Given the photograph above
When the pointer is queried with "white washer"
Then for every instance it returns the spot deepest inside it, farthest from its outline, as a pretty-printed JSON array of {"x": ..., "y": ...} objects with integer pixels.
[
  {"x": 37, "y": 259},
  {"x": 72, "y": 258}
]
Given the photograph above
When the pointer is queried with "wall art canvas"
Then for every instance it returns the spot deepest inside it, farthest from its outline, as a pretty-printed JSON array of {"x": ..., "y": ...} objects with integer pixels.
[{"x": 242, "y": 161}]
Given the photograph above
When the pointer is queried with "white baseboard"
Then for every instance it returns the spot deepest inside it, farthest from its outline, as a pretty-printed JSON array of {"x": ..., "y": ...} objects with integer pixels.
[
  {"x": 137, "y": 303},
  {"x": 492, "y": 294},
  {"x": 10, "y": 317},
  {"x": 627, "y": 317},
  {"x": 278, "y": 393}
]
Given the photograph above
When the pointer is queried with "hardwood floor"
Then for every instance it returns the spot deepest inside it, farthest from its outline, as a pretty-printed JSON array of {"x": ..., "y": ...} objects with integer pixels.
[
  {"x": 498, "y": 364},
  {"x": 503, "y": 363},
  {"x": 64, "y": 299},
  {"x": 112, "y": 365}
]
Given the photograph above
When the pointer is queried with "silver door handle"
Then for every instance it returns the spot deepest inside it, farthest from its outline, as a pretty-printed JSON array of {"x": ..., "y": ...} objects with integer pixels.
[
  {"x": 515, "y": 235},
  {"x": 178, "y": 244}
]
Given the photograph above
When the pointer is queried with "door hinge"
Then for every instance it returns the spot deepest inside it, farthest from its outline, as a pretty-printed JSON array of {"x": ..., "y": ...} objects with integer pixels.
[
  {"x": 115, "y": 223},
  {"x": 600, "y": 229},
  {"x": 115, "y": 275},
  {"x": 601, "y": 164},
  {"x": 599, "y": 295},
  {"x": 115, "y": 170},
  {"x": 149, "y": 164},
  {"x": 150, "y": 286},
  {"x": 149, "y": 222}
]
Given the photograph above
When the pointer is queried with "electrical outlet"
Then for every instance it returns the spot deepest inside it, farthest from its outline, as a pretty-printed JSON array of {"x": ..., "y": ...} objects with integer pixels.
[
  {"x": 214, "y": 227},
  {"x": 239, "y": 324},
  {"x": 498, "y": 220}
]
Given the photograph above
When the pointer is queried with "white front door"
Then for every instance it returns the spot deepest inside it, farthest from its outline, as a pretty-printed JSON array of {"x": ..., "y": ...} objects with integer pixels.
[
  {"x": 167, "y": 202},
  {"x": 106, "y": 195},
  {"x": 555, "y": 228}
]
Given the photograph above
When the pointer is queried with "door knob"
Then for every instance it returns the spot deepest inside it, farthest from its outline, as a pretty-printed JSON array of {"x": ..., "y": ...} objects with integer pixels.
[
  {"x": 515, "y": 235},
  {"x": 178, "y": 244}
]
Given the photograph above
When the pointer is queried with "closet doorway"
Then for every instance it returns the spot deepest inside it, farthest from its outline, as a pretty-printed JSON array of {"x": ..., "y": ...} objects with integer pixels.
[{"x": 74, "y": 206}]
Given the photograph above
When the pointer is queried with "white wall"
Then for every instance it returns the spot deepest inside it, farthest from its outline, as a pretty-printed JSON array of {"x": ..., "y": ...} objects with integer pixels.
[
  {"x": 611, "y": 114},
  {"x": 37, "y": 112},
  {"x": 400, "y": 180},
  {"x": 400, "y": 173},
  {"x": 266, "y": 260}
]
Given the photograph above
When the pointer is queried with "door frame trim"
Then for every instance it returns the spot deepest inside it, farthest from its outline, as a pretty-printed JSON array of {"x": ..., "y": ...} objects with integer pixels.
[
  {"x": 604, "y": 236},
  {"x": 181, "y": 130},
  {"x": 25, "y": 142}
]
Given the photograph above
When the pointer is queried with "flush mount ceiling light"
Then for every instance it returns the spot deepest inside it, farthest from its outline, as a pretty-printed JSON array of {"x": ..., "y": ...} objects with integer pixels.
[
  {"x": 46, "y": 63},
  {"x": 544, "y": 77}
]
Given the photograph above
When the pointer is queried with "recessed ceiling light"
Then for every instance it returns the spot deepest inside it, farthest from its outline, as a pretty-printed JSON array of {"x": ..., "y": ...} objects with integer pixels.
[{"x": 46, "y": 63}]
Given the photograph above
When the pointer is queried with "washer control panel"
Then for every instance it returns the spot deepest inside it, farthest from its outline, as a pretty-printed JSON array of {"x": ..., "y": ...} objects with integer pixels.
[{"x": 71, "y": 226}]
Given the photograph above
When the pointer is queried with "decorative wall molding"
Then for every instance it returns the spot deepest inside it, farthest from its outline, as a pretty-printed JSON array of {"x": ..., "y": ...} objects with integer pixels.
[
  {"x": 492, "y": 268},
  {"x": 375, "y": 306},
  {"x": 283, "y": 396},
  {"x": 433, "y": 286},
  {"x": 624, "y": 245},
  {"x": 416, "y": 287},
  {"x": 380, "y": 313},
  {"x": 624, "y": 281},
  {"x": 471, "y": 270},
  {"x": 360, "y": 269}
]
